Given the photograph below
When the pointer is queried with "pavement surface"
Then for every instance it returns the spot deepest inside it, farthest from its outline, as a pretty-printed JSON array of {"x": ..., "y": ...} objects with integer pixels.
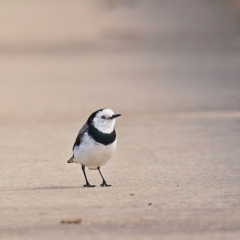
[{"x": 171, "y": 68}]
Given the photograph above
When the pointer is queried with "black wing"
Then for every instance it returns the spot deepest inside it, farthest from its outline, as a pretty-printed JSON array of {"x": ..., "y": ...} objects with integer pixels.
[{"x": 80, "y": 134}]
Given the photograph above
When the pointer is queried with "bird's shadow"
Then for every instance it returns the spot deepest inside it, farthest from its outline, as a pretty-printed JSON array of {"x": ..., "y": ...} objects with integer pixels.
[
  {"x": 42, "y": 188},
  {"x": 52, "y": 187}
]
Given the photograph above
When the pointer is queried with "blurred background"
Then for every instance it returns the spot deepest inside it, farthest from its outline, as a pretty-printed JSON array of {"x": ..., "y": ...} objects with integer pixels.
[
  {"x": 170, "y": 67},
  {"x": 68, "y": 58}
]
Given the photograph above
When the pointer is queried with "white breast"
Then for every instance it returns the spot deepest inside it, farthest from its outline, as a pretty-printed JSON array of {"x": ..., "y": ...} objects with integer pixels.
[{"x": 93, "y": 154}]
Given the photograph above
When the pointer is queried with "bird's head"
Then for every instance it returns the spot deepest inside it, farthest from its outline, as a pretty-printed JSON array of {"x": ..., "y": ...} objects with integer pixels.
[{"x": 103, "y": 120}]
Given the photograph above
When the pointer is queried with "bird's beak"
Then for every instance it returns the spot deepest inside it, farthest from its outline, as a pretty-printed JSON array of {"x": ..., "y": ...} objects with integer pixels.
[{"x": 115, "y": 116}]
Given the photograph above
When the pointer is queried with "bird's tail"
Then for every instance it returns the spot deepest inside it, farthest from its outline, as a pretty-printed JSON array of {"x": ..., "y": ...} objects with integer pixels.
[{"x": 71, "y": 160}]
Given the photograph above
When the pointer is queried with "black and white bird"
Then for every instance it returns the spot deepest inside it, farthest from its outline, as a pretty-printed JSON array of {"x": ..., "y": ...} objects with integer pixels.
[{"x": 96, "y": 142}]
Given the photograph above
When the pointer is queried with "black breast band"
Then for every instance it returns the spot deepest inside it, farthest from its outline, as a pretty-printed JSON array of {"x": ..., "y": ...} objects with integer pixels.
[{"x": 103, "y": 138}]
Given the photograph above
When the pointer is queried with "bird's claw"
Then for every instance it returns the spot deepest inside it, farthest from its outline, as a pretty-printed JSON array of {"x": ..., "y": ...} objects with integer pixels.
[
  {"x": 104, "y": 184},
  {"x": 88, "y": 185}
]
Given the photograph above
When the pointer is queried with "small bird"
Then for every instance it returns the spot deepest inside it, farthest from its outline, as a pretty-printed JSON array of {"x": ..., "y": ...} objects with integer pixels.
[{"x": 96, "y": 142}]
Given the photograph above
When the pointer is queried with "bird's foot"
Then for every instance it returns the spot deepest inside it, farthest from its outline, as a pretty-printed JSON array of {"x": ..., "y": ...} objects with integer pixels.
[
  {"x": 104, "y": 184},
  {"x": 88, "y": 185}
]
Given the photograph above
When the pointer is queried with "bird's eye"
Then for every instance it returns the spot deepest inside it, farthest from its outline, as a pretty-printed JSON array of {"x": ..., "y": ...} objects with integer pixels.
[{"x": 103, "y": 117}]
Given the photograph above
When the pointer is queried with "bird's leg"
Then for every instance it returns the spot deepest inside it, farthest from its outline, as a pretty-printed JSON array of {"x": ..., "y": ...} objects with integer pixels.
[
  {"x": 104, "y": 183},
  {"x": 87, "y": 183}
]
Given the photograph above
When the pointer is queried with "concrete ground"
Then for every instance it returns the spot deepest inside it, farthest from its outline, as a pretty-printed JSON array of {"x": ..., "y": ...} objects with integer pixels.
[{"x": 171, "y": 68}]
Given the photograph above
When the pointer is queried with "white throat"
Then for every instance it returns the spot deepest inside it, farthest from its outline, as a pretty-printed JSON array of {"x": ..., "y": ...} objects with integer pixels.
[{"x": 106, "y": 126}]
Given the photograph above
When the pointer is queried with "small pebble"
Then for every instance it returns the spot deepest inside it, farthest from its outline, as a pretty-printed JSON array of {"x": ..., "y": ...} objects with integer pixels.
[
  {"x": 131, "y": 194},
  {"x": 149, "y": 204},
  {"x": 71, "y": 221}
]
